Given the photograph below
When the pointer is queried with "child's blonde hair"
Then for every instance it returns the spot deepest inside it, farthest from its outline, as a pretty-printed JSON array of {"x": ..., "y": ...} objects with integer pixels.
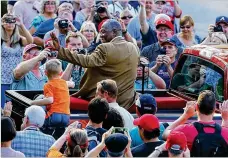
[{"x": 53, "y": 67}]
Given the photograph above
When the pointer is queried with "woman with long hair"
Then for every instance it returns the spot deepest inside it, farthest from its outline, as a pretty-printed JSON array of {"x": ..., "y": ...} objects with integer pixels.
[
  {"x": 76, "y": 140},
  {"x": 12, "y": 48},
  {"x": 48, "y": 11},
  {"x": 187, "y": 36},
  {"x": 89, "y": 30}
]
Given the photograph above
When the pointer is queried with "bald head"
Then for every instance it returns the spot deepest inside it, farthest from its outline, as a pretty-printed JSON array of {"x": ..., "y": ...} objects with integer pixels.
[{"x": 109, "y": 30}]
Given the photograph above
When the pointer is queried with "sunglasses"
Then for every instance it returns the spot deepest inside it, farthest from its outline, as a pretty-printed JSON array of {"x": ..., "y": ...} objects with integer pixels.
[
  {"x": 183, "y": 27},
  {"x": 126, "y": 17},
  {"x": 50, "y": 3}
]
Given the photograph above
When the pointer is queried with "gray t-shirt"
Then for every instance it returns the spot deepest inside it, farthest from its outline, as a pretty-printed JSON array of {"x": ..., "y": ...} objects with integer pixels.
[{"x": 9, "y": 152}]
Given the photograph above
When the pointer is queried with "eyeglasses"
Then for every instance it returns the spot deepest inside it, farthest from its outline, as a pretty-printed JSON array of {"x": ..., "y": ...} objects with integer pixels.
[
  {"x": 127, "y": 17},
  {"x": 187, "y": 27},
  {"x": 50, "y": 3}
]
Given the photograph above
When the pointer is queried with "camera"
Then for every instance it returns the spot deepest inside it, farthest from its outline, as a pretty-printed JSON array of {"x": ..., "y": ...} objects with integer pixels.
[
  {"x": 100, "y": 9},
  {"x": 10, "y": 20},
  {"x": 82, "y": 51},
  {"x": 163, "y": 51},
  {"x": 218, "y": 28},
  {"x": 52, "y": 54},
  {"x": 119, "y": 130},
  {"x": 63, "y": 24}
]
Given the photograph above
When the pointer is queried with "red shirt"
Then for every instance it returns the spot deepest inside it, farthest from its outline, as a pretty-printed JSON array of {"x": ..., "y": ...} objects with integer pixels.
[{"x": 190, "y": 132}]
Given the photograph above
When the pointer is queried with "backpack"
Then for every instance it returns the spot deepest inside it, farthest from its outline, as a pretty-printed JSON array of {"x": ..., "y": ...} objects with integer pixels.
[
  {"x": 209, "y": 144},
  {"x": 94, "y": 138}
]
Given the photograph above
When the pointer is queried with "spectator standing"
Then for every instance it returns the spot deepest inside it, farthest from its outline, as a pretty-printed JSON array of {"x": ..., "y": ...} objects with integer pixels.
[
  {"x": 205, "y": 108},
  {"x": 56, "y": 98},
  {"x": 73, "y": 72},
  {"x": 76, "y": 141},
  {"x": 8, "y": 133},
  {"x": 187, "y": 36},
  {"x": 108, "y": 89},
  {"x": 165, "y": 64},
  {"x": 97, "y": 111},
  {"x": 164, "y": 30},
  {"x": 134, "y": 25},
  {"x": 26, "y": 10},
  {"x": 31, "y": 141},
  {"x": 220, "y": 21},
  {"x": 149, "y": 131},
  {"x": 12, "y": 47},
  {"x": 64, "y": 9},
  {"x": 28, "y": 74},
  {"x": 107, "y": 61},
  {"x": 146, "y": 104},
  {"x": 48, "y": 10}
]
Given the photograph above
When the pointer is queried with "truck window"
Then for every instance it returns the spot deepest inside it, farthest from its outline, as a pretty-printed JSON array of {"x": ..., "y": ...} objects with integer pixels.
[{"x": 196, "y": 75}]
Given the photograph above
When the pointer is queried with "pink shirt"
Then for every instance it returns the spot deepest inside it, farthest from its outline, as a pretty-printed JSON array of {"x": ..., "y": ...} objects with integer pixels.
[{"x": 190, "y": 132}]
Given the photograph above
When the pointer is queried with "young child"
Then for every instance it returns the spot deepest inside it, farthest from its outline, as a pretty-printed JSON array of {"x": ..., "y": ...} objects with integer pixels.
[{"x": 56, "y": 96}]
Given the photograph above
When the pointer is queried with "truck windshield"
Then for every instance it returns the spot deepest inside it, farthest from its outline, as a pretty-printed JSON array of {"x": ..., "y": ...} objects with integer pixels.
[{"x": 196, "y": 75}]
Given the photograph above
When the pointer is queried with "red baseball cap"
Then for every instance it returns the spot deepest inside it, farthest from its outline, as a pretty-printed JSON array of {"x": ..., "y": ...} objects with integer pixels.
[
  {"x": 165, "y": 23},
  {"x": 176, "y": 141},
  {"x": 29, "y": 47},
  {"x": 148, "y": 122}
]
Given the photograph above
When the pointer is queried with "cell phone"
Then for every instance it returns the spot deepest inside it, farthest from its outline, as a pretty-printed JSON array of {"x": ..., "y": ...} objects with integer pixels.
[
  {"x": 120, "y": 130},
  {"x": 163, "y": 51}
]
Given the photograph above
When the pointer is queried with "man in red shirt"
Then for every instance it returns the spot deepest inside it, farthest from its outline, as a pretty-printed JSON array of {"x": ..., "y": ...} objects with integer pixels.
[{"x": 205, "y": 109}]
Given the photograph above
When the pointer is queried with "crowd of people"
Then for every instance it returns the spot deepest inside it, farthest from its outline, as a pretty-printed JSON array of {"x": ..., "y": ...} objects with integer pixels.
[{"x": 106, "y": 50}]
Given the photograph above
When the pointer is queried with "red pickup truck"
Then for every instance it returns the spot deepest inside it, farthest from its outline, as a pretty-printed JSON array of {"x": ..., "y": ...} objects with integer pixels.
[{"x": 199, "y": 68}]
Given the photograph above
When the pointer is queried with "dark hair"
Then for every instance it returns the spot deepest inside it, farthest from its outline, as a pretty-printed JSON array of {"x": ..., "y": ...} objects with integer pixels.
[
  {"x": 8, "y": 131},
  {"x": 206, "y": 102},
  {"x": 109, "y": 86},
  {"x": 98, "y": 109},
  {"x": 151, "y": 134},
  {"x": 113, "y": 119}
]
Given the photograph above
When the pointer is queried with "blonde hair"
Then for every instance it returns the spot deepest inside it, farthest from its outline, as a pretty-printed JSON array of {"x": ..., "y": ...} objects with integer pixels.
[
  {"x": 78, "y": 143},
  {"x": 42, "y": 6},
  {"x": 109, "y": 86},
  {"x": 15, "y": 38},
  {"x": 89, "y": 24},
  {"x": 185, "y": 19},
  {"x": 125, "y": 11},
  {"x": 73, "y": 35},
  {"x": 53, "y": 67}
]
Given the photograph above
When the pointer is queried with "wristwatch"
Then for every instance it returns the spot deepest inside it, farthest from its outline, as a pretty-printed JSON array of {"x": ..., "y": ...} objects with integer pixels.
[{"x": 124, "y": 32}]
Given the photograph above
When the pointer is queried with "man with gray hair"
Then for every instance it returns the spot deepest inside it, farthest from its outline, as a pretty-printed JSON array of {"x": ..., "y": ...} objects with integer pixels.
[
  {"x": 115, "y": 59},
  {"x": 31, "y": 141}
]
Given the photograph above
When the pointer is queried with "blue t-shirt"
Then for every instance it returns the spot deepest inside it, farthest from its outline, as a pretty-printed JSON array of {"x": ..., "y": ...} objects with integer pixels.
[
  {"x": 148, "y": 84},
  {"x": 163, "y": 73},
  {"x": 136, "y": 139},
  {"x": 134, "y": 27},
  {"x": 48, "y": 26},
  {"x": 149, "y": 38},
  {"x": 197, "y": 40},
  {"x": 29, "y": 82}
]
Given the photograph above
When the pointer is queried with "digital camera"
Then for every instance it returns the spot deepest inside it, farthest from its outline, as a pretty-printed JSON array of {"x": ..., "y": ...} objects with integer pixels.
[
  {"x": 218, "y": 28},
  {"x": 63, "y": 24},
  {"x": 100, "y": 9},
  {"x": 82, "y": 51},
  {"x": 120, "y": 130},
  {"x": 10, "y": 20},
  {"x": 163, "y": 51}
]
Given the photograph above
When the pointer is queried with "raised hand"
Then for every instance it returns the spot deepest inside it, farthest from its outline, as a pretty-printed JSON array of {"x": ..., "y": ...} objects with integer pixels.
[{"x": 55, "y": 42}]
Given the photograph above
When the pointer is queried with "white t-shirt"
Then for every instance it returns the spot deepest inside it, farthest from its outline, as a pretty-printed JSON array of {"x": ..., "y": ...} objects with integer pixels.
[{"x": 127, "y": 117}]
